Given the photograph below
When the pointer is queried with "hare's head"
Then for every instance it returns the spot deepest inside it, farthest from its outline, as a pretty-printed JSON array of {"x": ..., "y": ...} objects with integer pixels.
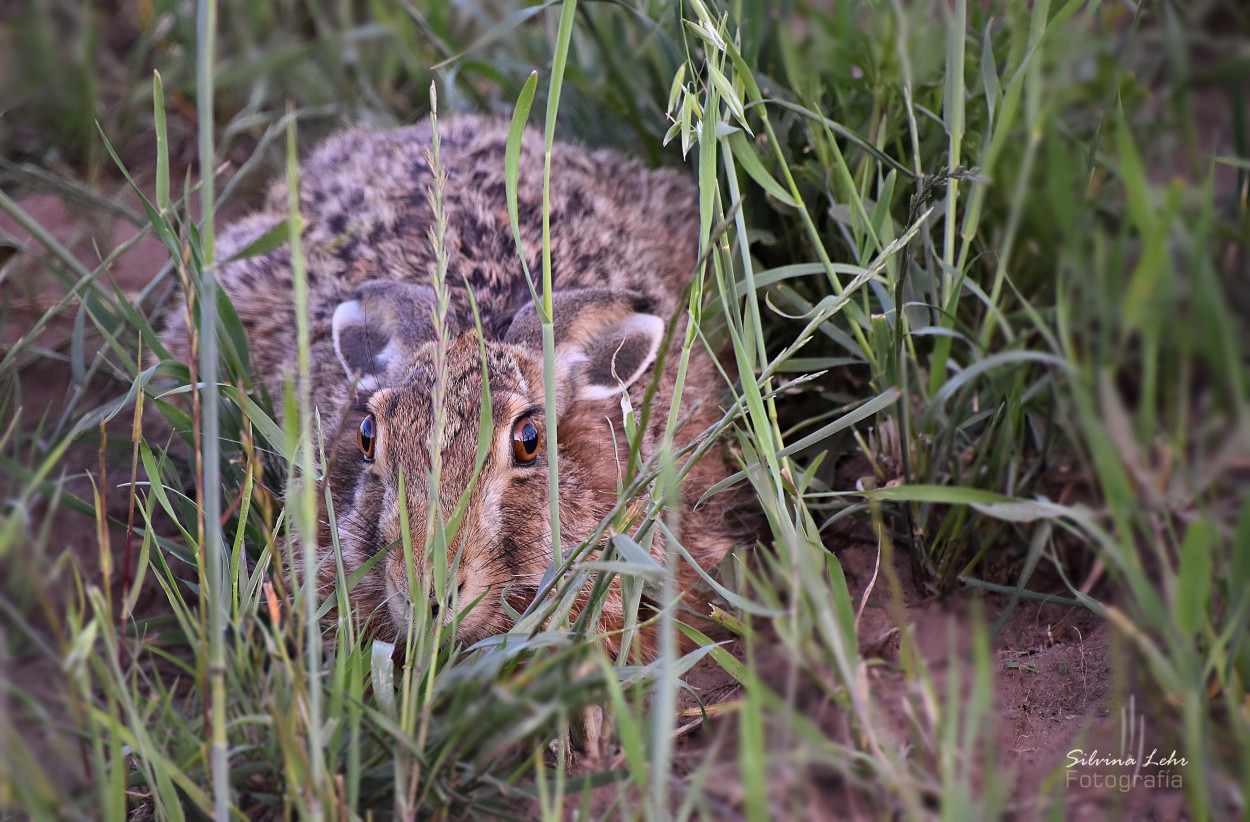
[{"x": 492, "y": 498}]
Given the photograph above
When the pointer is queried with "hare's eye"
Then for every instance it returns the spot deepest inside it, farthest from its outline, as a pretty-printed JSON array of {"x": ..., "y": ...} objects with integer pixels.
[
  {"x": 524, "y": 441},
  {"x": 367, "y": 438}
]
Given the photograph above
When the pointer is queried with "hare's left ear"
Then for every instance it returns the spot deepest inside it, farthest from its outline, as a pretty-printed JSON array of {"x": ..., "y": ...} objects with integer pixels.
[
  {"x": 605, "y": 340},
  {"x": 377, "y": 331}
]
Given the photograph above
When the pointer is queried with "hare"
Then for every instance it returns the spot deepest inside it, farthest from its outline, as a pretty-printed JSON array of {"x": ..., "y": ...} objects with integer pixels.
[{"x": 624, "y": 243}]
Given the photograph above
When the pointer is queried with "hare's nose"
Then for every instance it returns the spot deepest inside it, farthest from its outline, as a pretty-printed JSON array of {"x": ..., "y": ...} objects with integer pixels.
[{"x": 434, "y": 597}]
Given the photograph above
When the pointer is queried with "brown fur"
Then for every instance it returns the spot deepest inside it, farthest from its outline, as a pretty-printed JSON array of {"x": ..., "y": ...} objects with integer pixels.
[{"x": 615, "y": 225}]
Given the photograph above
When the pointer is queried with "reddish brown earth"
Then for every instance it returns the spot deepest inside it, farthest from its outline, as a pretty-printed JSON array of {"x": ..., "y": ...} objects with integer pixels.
[
  {"x": 46, "y": 389},
  {"x": 1054, "y": 692}
]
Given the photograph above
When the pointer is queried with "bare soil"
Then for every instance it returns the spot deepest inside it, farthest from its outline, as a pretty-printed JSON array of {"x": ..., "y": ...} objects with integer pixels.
[
  {"x": 1054, "y": 693},
  {"x": 73, "y": 561}
]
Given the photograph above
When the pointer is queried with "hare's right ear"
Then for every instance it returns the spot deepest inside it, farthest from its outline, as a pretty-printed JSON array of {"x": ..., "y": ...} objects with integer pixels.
[
  {"x": 605, "y": 339},
  {"x": 375, "y": 333}
]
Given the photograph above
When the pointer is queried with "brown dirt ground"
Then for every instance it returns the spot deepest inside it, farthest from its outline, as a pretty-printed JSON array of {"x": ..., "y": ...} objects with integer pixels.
[
  {"x": 1054, "y": 692},
  {"x": 46, "y": 387},
  {"x": 1052, "y": 665}
]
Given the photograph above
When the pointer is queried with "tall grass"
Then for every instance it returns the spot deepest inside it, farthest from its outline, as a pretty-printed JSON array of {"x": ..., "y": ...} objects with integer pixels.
[{"x": 978, "y": 257}]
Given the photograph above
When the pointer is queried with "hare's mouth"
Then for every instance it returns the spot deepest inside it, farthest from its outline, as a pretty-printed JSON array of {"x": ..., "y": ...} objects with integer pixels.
[
  {"x": 469, "y": 608},
  {"x": 404, "y": 613}
]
